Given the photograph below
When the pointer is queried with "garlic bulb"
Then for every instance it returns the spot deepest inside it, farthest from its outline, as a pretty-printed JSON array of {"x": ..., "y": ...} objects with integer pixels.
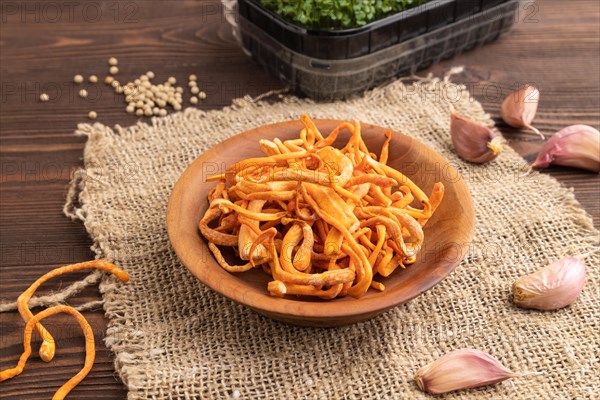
[
  {"x": 474, "y": 142},
  {"x": 461, "y": 369},
  {"x": 518, "y": 109},
  {"x": 574, "y": 146},
  {"x": 552, "y": 287}
]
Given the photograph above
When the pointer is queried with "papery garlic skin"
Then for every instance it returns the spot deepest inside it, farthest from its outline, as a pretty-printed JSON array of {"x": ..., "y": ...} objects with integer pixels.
[
  {"x": 574, "y": 146},
  {"x": 474, "y": 142},
  {"x": 552, "y": 287},
  {"x": 518, "y": 109},
  {"x": 461, "y": 369}
]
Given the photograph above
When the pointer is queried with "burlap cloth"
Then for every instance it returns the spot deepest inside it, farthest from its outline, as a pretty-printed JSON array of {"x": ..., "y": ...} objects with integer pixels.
[{"x": 173, "y": 338}]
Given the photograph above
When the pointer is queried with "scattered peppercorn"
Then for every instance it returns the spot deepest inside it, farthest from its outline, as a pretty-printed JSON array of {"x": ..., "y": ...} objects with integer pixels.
[{"x": 142, "y": 96}]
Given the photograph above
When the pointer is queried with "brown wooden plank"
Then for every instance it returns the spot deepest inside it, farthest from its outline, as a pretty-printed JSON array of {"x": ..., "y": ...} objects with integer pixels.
[{"x": 38, "y": 151}]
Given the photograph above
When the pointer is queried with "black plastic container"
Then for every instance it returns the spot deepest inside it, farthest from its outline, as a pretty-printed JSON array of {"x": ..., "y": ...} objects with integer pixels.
[
  {"x": 327, "y": 79},
  {"x": 370, "y": 38}
]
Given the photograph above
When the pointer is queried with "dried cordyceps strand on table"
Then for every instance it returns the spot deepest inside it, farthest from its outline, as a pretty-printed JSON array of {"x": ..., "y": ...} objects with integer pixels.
[
  {"x": 90, "y": 349},
  {"x": 48, "y": 347}
]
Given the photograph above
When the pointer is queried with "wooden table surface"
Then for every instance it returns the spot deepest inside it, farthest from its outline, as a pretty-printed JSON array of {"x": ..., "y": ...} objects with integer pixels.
[{"x": 555, "y": 45}]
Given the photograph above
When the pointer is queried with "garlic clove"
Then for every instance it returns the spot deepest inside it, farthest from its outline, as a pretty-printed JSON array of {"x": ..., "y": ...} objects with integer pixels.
[
  {"x": 461, "y": 369},
  {"x": 574, "y": 146},
  {"x": 474, "y": 142},
  {"x": 518, "y": 109},
  {"x": 552, "y": 287}
]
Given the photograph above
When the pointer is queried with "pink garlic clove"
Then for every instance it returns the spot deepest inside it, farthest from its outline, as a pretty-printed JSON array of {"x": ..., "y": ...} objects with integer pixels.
[
  {"x": 461, "y": 369},
  {"x": 552, "y": 287},
  {"x": 474, "y": 142},
  {"x": 574, "y": 146},
  {"x": 518, "y": 109}
]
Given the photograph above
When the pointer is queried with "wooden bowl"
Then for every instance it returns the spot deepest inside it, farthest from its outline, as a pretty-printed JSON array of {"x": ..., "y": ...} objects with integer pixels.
[{"x": 447, "y": 234}]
